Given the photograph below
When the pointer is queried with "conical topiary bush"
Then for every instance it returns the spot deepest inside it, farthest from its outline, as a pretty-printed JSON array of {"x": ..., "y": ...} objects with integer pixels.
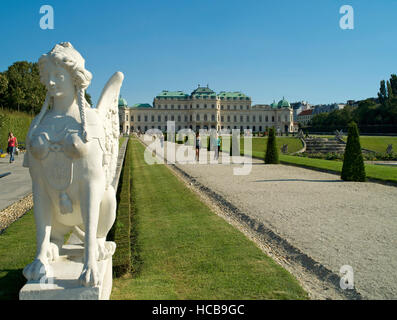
[
  {"x": 271, "y": 156},
  {"x": 353, "y": 163}
]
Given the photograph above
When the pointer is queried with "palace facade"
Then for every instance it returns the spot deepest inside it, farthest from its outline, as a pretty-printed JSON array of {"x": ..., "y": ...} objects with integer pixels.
[{"x": 205, "y": 109}]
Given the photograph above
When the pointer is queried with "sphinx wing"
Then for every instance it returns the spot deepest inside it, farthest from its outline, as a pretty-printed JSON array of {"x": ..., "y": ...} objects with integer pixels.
[{"x": 109, "y": 113}]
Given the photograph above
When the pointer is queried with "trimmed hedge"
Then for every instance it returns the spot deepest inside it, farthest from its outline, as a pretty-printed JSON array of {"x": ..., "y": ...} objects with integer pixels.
[
  {"x": 271, "y": 156},
  {"x": 353, "y": 164},
  {"x": 121, "y": 230}
]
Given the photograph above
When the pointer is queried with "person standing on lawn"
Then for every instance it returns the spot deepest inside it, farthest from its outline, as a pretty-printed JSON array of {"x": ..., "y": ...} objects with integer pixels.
[{"x": 12, "y": 144}]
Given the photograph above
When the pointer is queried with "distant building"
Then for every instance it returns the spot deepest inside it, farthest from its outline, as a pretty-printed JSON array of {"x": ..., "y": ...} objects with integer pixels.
[
  {"x": 325, "y": 108},
  {"x": 298, "y": 107},
  {"x": 205, "y": 109},
  {"x": 305, "y": 116}
]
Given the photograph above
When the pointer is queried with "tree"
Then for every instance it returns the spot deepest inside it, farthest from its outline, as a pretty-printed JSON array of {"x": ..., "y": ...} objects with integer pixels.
[
  {"x": 25, "y": 92},
  {"x": 271, "y": 156},
  {"x": 382, "y": 94},
  {"x": 353, "y": 164},
  {"x": 3, "y": 88},
  {"x": 88, "y": 98}
]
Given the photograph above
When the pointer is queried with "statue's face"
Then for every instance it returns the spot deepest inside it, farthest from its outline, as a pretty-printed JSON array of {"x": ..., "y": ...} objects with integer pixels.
[{"x": 58, "y": 80}]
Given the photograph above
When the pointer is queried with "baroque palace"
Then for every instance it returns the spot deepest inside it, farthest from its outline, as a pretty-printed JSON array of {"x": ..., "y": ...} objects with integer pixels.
[{"x": 204, "y": 109}]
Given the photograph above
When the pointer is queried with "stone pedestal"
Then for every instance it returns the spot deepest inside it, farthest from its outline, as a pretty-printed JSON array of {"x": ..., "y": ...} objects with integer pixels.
[{"x": 64, "y": 284}]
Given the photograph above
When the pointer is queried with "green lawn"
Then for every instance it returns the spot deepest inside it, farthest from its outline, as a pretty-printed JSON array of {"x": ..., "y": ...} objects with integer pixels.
[
  {"x": 17, "y": 249},
  {"x": 259, "y": 145},
  {"x": 188, "y": 252},
  {"x": 378, "y": 144}
]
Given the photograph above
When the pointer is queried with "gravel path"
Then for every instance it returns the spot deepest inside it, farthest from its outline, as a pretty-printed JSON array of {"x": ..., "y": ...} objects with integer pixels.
[{"x": 333, "y": 222}]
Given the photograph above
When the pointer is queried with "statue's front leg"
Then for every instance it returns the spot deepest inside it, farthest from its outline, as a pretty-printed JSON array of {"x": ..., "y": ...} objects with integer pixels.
[
  {"x": 46, "y": 251},
  {"x": 91, "y": 196}
]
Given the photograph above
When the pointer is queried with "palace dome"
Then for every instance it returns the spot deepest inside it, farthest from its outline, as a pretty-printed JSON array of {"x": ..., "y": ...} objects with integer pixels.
[
  {"x": 122, "y": 102},
  {"x": 283, "y": 104}
]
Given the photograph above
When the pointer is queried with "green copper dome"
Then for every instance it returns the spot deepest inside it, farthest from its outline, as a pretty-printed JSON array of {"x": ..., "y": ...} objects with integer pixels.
[
  {"x": 122, "y": 102},
  {"x": 283, "y": 104},
  {"x": 274, "y": 104}
]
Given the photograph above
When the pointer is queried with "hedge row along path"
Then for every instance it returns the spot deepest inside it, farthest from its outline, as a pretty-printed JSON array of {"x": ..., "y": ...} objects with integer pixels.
[{"x": 331, "y": 221}]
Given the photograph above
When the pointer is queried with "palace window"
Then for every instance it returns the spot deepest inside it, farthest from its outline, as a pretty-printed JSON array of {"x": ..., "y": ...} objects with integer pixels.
[
  {"x": 185, "y": 106},
  {"x": 235, "y": 118},
  {"x": 266, "y": 118},
  {"x": 248, "y": 118},
  {"x": 172, "y": 106},
  {"x": 191, "y": 118},
  {"x": 241, "y": 107},
  {"x": 253, "y": 119},
  {"x": 241, "y": 118},
  {"x": 179, "y": 118},
  {"x": 139, "y": 118},
  {"x": 145, "y": 120},
  {"x": 165, "y": 118},
  {"x": 213, "y": 117},
  {"x": 198, "y": 117},
  {"x": 197, "y": 106},
  {"x": 172, "y": 118},
  {"x": 272, "y": 118},
  {"x": 132, "y": 118},
  {"x": 235, "y": 107},
  {"x": 228, "y": 118},
  {"x": 228, "y": 107},
  {"x": 152, "y": 118},
  {"x": 205, "y": 106},
  {"x": 213, "y": 106},
  {"x": 126, "y": 117},
  {"x": 185, "y": 118},
  {"x": 222, "y": 119},
  {"x": 260, "y": 120},
  {"x": 179, "y": 106},
  {"x": 159, "y": 118},
  {"x": 205, "y": 117},
  {"x": 165, "y": 107}
]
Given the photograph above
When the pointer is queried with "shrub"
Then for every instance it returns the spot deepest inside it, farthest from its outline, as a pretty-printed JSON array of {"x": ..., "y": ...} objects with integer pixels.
[
  {"x": 353, "y": 164},
  {"x": 271, "y": 156}
]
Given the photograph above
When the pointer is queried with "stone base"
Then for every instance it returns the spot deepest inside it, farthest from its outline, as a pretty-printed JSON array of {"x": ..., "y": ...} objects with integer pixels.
[{"x": 64, "y": 283}]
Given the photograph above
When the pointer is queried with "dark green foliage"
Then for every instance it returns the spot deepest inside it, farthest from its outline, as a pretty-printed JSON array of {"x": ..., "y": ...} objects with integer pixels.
[
  {"x": 271, "y": 156},
  {"x": 121, "y": 230},
  {"x": 21, "y": 89},
  {"x": 353, "y": 164}
]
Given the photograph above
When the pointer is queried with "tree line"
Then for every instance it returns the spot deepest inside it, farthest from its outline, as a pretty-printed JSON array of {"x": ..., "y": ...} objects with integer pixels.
[
  {"x": 373, "y": 114},
  {"x": 21, "y": 89}
]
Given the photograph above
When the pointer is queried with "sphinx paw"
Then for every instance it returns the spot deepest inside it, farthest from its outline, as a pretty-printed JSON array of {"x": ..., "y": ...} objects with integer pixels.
[{"x": 90, "y": 276}]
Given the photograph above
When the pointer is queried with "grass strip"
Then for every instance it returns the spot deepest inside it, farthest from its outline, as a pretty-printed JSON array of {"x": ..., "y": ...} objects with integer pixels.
[
  {"x": 120, "y": 232},
  {"x": 187, "y": 251}
]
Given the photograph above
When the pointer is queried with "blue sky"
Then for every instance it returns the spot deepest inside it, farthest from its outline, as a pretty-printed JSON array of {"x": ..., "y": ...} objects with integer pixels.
[{"x": 267, "y": 49}]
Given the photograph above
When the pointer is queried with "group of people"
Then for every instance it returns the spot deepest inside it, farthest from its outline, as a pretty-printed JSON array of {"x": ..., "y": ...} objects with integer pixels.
[
  {"x": 12, "y": 146},
  {"x": 198, "y": 146}
]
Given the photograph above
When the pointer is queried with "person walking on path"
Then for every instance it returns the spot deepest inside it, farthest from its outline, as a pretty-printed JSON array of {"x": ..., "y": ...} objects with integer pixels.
[
  {"x": 198, "y": 145},
  {"x": 12, "y": 144},
  {"x": 218, "y": 146}
]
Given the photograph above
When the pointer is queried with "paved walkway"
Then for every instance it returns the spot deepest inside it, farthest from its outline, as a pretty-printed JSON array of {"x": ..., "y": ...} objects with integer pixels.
[
  {"x": 17, "y": 184},
  {"x": 334, "y": 222}
]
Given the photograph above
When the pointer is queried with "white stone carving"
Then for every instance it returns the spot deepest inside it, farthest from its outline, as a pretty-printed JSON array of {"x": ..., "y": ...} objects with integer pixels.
[{"x": 72, "y": 153}]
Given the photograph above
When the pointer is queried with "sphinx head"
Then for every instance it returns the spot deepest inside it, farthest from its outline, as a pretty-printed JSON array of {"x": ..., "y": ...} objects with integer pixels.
[{"x": 62, "y": 71}]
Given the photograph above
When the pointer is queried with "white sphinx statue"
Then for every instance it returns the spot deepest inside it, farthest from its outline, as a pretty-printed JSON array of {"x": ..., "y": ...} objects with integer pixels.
[{"x": 72, "y": 153}]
